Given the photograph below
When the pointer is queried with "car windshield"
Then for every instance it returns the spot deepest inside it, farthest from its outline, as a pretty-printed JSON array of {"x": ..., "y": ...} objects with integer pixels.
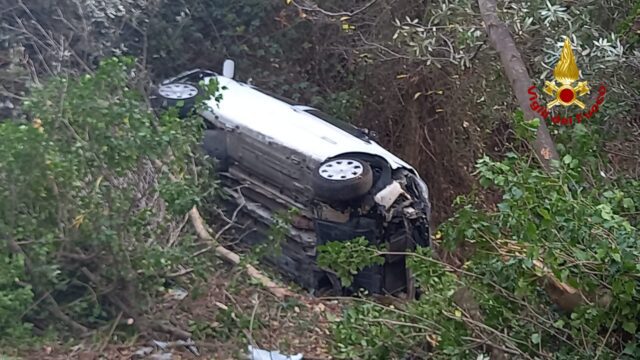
[{"x": 342, "y": 125}]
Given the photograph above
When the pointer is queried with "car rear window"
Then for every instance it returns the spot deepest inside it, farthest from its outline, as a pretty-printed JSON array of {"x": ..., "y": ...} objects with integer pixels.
[{"x": 342, "y": 125}]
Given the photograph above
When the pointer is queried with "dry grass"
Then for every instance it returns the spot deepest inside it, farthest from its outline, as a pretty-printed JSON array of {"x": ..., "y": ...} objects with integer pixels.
[{"x": 230, "y": 313}]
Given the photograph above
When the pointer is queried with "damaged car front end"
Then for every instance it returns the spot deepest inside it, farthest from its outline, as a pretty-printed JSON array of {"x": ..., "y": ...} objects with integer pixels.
[{"x": 394, "y": 215}]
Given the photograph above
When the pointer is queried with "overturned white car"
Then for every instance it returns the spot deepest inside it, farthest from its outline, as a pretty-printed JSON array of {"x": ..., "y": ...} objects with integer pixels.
[{"x": 274, "y": 155}]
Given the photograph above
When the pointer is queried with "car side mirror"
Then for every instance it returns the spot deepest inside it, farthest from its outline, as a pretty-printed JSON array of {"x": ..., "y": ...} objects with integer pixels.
[{"x": 228, "y": 69}]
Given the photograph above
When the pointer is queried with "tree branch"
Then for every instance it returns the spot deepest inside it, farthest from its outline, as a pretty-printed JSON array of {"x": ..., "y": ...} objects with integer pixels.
[
  {"x": 228, "y": 255},
  {"x": 314, "y": 7},
  {"x": 516, "y": 72},
  {"x": 53, "y": 307}
]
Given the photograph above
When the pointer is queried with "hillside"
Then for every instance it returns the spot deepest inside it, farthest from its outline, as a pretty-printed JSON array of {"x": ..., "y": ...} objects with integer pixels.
[{"x": 521, "y": 117}]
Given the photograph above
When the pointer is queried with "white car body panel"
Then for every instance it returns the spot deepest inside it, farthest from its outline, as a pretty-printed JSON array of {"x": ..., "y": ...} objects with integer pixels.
[{"x": 290, "y": 126}]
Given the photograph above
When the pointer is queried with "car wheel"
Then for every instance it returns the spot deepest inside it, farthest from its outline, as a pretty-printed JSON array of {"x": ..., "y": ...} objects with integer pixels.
[
  {"x": 214, "y": 144},
  {"x": 170, "y": 95},
  {"x": 342, "y": 178}
]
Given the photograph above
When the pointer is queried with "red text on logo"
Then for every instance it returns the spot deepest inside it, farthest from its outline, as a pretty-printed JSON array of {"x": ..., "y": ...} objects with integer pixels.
[{"x": 561, "y": 120}]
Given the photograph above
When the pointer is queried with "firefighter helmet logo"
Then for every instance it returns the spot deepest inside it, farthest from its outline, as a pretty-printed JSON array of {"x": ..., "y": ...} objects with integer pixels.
[
  {"x": 564, "y": 93},
  {"x": 566, "y": 73}
]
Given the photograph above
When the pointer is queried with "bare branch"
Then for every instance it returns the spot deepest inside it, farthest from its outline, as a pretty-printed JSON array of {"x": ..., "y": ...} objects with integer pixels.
[
  {"x": 516, "y": 72},
  {"x": 314, "y": 7},
  {"x": 228, "y": 255}
]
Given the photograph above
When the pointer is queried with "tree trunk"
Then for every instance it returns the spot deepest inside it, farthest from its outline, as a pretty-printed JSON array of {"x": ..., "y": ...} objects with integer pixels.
[{"x": 516, "y": 72}]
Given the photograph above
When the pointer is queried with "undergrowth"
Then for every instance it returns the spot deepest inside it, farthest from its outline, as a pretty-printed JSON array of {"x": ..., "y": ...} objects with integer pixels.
[
  {"x": 93, "y": 193},
  {"x": 576, "y": 227}
]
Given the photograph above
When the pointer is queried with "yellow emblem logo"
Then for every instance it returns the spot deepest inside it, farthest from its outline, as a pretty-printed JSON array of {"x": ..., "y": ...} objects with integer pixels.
[{"x": 566, "y": 73}]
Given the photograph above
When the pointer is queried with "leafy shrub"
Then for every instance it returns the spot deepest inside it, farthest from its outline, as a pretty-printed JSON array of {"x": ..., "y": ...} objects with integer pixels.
[
  {"x": 347, "y": 258},
  {"x": 575, "y": 227},
  {"x": 585, "y": 235},
  {"x": 429, "y": 327},
  {"x": 15, "y": 297},
  {"x": 91, "y": 196}
]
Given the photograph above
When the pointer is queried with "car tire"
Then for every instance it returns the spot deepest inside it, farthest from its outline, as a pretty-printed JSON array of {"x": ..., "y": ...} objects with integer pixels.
[
  {"x": 170, "y": 95},
  {"x": 214, "y": 144},
  {"x": 342, "y": 179}
]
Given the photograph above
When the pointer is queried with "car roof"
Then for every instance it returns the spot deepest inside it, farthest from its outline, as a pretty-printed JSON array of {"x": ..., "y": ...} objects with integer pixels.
[{"x": 290, "y": 125}]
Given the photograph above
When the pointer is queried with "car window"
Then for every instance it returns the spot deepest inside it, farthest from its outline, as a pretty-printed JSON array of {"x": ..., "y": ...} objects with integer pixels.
[{"x": 342, "y": 125}]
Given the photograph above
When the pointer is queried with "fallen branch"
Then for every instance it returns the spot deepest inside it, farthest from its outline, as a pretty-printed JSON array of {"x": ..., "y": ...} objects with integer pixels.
[
  {"x": 228, "y": 255},
  {"x": 54, "y": 309},
  {"x": 167, "y": 328},
  {"x": 564, "y": 295}
]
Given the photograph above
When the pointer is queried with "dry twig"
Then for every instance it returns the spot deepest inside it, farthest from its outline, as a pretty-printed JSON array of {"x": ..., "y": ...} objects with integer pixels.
[{"x": 228, "y": 255}]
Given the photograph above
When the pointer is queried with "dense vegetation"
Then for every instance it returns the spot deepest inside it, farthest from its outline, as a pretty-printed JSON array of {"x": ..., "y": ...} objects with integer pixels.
[
  {"x": 92, "y": 196},
  {"x": 527, "y": 264},
  {"x": 577, "y": 228}
]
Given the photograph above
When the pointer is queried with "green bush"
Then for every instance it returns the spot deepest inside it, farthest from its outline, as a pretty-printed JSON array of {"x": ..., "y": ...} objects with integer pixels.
[
  {"x": 576, "y": 226},
  {"x": 90, "y": 195},
  {"x": 430, "y": 327},
  {"x": 347, "y": 258},
  {"x": 15, "y": 297},
  {"x": 585, "y": 234}
]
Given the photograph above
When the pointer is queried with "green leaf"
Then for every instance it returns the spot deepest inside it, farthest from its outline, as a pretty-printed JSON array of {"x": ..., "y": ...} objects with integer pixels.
[
  {"x": 535, "y": 338},
  {"x": 630, "y": 327},
  {"x": 574, "y": 164},
  {"x": 616, "y": 257},
  {"x": 545, "y": 214},
  {"x": 630, "y": 348},
  {"x": 567, "y": 159},
  {"x": 627, "y": 203},
  {"x": 485, "y": 182},
  {"x": 580, "y": 255},
  {"x": 605, "y": 211},
  {"x": 532, "y": 230},
  {"x": 517, "y": 193}
]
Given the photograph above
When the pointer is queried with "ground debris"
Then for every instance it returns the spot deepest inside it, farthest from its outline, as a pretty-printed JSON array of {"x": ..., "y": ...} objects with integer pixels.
[
  {"x": 161, "y": 356},
  {"x": 142, "y": 352},
  {"x": 259, "y": 354},
  {"x": 222, "y": 316}
]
